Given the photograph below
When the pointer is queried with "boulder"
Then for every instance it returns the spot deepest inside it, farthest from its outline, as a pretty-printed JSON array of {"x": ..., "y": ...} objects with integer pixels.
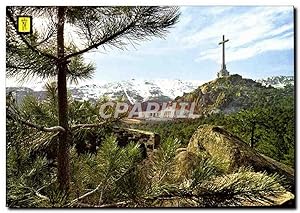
[{"x": 231, "y": 153}]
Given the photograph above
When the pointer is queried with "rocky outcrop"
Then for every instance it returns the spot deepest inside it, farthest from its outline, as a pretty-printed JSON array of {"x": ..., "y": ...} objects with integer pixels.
[
  {"x": 230, "y": 154},
  {"x": 228, "y": 94},
  {"x": 149, "y": 141},
  {"x": 233, "y": 153}
]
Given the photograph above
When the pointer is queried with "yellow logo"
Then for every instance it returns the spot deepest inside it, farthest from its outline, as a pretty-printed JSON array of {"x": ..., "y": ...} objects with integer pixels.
[{"x": 24, "y": 24}]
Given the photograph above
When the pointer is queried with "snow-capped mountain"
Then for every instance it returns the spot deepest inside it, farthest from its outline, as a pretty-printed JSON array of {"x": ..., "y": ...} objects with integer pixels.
[
  {"x": 136, "y": 90},
  {"x": 132, "y": 90},
  {"x": 277, "y": 81}
]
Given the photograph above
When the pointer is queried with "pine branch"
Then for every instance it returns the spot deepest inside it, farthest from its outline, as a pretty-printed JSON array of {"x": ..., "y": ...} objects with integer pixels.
[
  {"x": 88, "y": 125},
  {"x": 43, "y": 197},
  {"x": 118, "y": 204},
  {"x": 110, "y": 205},
  {"x": 59, "y": 128},
  {"x": 38, "y": 127},
  {"x": 96, "y": 45},
  {"x": 84, "y": 196},
  {"x": 137, "y": 23},
  {"x": 93, "y": 125},
  {"x": 50, "y": 34},
  {"x": 10, "y": 16}
]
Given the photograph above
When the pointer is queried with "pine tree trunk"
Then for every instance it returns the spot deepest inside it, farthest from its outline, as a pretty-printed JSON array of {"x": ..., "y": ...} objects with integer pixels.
[{"x": 63, "y": 146}]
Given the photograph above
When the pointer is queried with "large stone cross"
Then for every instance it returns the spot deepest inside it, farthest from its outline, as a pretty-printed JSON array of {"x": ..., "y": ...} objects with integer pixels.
[{"x": 223, "y": 61}]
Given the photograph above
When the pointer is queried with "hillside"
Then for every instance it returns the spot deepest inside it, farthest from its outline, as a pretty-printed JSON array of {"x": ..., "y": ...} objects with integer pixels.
[{"x": 227, "y": 95}]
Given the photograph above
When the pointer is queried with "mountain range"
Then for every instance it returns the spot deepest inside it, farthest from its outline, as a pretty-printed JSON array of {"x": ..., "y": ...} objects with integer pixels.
[
  {"x": 277, "y": 81},
  {"x": 135, "y": 90}
]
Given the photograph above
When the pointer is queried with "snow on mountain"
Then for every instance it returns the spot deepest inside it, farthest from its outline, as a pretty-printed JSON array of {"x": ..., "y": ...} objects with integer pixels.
[
  {"x": 34, "y": 84},
  {"x": 136, "y": 89},
  {"x": 277, "y": 81},
  {"x": 133, "y": 90}
]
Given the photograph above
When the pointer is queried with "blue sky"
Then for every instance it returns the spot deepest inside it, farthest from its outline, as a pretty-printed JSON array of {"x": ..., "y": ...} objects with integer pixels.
[{"x": 261, "y": 45}]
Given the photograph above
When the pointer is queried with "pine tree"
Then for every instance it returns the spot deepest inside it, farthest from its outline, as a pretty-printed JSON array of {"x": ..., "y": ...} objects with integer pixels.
[{"x": 48, "y": 54}]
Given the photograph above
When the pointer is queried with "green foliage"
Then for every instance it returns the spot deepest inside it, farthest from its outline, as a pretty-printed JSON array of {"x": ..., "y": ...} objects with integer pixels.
[
  {"x": 95, "y": 27},
  {"x": 269, "y": 124},
  {"x": 241, "y": 187},
  {"x": 26, "y": 178},
  {"x": 44, "y": 113},
  {"x": 205, "y": 170},
  {"x": 113, "y": 168},
  {"x": 118, "y": 177},
  {"x": 163, "y": 166}
]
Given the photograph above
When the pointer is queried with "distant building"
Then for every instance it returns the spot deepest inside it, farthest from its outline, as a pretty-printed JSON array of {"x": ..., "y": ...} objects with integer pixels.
[
  {"x": 223, "y": 73},
  {"x": 147, "y": 114},
  {"x": 168, "y": 113}
]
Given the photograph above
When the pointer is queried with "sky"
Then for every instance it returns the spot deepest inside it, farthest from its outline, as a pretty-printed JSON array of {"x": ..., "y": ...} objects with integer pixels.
[{"x": 261, "y": 44}]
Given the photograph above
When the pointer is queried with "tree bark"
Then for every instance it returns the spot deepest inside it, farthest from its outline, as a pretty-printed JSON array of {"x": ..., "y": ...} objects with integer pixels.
[{"x": 63, "y": 146}]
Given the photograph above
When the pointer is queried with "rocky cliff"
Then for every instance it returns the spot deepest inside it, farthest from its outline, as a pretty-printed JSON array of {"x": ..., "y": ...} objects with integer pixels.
[{"x": 227, "y": 94}]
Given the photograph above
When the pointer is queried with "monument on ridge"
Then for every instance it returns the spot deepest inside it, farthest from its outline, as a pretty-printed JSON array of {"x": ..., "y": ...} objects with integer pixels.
[{"x": 223, "y": 72}]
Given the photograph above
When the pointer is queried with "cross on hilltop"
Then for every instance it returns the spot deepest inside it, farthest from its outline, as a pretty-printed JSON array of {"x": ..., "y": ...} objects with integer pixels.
[{"x": 223, "y": 72}]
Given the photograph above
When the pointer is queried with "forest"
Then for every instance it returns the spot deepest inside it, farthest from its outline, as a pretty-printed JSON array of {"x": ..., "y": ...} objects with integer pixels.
[
  {"x": 268, "y": 125},
  {"x": 110, "y": 175}
]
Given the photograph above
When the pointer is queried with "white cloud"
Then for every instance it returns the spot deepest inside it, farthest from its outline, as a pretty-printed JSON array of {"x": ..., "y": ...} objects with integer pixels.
[
  {"x": 248, "y": 52},
  {"x": 252, "y": 32}
]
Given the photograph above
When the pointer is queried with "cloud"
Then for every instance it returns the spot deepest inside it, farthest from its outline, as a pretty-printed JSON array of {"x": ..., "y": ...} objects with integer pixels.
[
  {"x": 248, "y": 52},
  {"x": 250, "y": 30}
]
